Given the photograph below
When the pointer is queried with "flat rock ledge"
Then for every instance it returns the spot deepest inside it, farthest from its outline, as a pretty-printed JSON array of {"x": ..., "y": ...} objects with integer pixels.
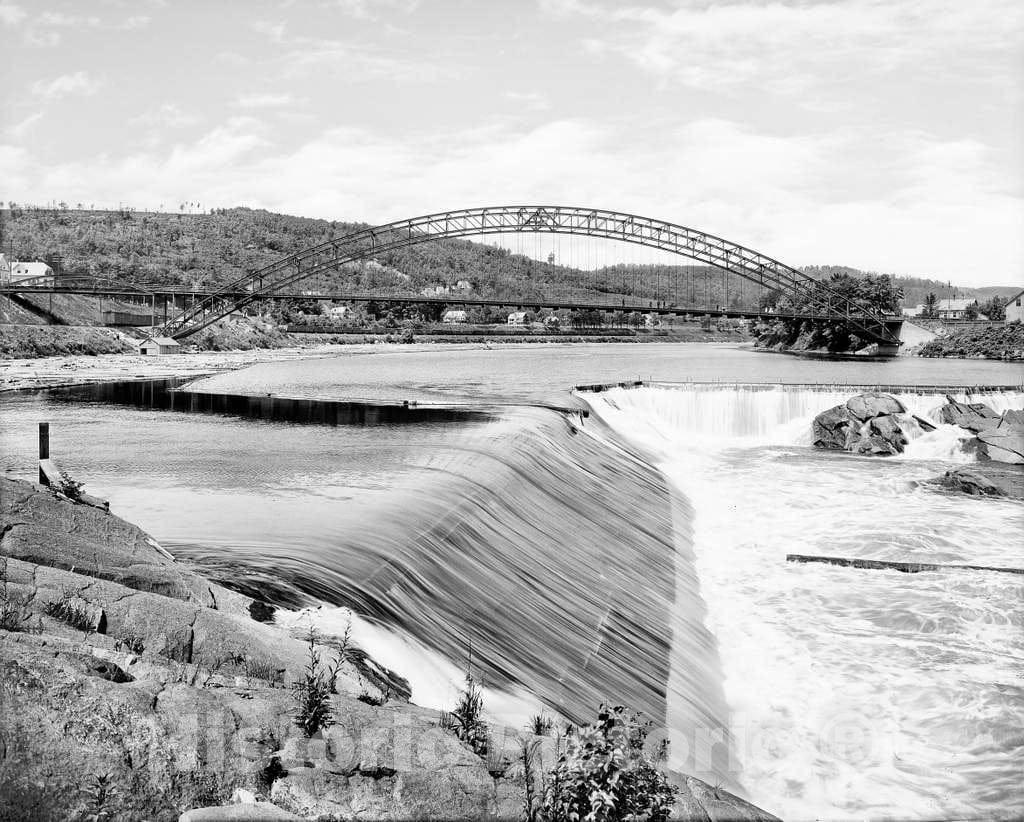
[
  {"x": 168, "y": 700},
  {"x": 984, "y": 480}
]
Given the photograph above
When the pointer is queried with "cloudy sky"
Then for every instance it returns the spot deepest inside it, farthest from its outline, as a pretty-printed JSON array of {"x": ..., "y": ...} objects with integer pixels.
[{"x": 883, "y": 134}]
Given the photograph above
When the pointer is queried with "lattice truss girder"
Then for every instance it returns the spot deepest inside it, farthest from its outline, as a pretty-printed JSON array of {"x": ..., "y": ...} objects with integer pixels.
[{"x": 687, "y": 242}]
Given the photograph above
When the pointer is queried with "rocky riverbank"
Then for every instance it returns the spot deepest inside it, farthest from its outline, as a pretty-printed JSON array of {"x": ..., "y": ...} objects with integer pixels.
[
  {"x": 134, "y": 687},
  {"x": 877, "y": 424},
  {"x": 997, "y": 342}
]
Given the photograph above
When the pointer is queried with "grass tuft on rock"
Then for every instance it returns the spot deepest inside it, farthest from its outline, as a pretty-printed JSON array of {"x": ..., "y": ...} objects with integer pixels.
[
  {"x": 313, "y": 693},
  {"x": 70, "y": 613},
  {"x": 465, "y": 721}
]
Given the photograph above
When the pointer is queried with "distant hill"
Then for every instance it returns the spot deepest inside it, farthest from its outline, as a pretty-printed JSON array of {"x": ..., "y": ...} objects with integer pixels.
[
  {"x": 207, "y": 250},
  {"x": 915, "y": 289}
]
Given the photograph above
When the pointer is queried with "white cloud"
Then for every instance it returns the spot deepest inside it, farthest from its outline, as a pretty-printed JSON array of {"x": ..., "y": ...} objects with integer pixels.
[
  {"x": 901, "y": 202},
  {"x": 20, "y": 130},
  {"x": 55, "y": 18},
  {"x": 789, "y": 47},
  {"x": 263, "y": 100},
  {"x": 44, "y": 39},
  {"x": 528, "y": 100},
  {"x": 11, "y": 14},
  {"x": 167, "y": 115},
  {"x": 375, "y": 9},
  {"x": 135, "y": 22},
  {"x": 67, "y": 84}
]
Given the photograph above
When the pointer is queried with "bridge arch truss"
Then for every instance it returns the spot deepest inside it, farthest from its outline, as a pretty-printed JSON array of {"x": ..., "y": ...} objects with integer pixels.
[{"x": 472, "y": 222}]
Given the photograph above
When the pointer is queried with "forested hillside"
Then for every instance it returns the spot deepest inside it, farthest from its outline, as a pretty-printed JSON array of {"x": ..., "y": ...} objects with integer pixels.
[{"x": 203, "y": 251}]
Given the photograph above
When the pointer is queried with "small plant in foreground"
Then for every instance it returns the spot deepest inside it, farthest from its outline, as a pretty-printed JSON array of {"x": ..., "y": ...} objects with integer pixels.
[
  {"x": 69, "y": 487},
  {"x": 341, "y": 655},
  {"x": 465, "y": 721},
  {"x": 70, "y": 613},
  {"x": 99, "y": 793},
  {"x": 605, "y": 776},
  {"x": 14, "y": 607},
  {"x": 532, "y": 803},
  {"x": 131, "y": 642},
  {"x": 260, "y": 668},
  {"x": 313, "y": 693},
  {"x": 14, "y": 611},
  {"x": 540, "y": 725}
]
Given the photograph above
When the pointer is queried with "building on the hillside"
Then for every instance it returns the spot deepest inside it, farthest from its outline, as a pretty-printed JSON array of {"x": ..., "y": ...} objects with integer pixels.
[
  {"x": 454, "y": 317},
  {"x": 159, "y": 345},
  {"x": 954, "y": 309},
  {"x": 1014, "y": 309},
  {"x": 435, "y": 290},
  {"x": 31, "y": 271},
  {"x": 464, "y": 285},
  {"x": 517, "y": 319},
  {"x": 338, "y": 312}
]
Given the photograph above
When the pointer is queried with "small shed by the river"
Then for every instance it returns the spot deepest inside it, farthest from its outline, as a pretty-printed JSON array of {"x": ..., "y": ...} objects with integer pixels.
[{"x": 159, "y": 345}]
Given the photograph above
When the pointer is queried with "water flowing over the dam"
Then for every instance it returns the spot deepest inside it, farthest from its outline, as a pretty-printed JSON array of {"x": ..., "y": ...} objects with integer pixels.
[
  {"x": 635, "y": 555},
  {"x": 904, "y": 689}
]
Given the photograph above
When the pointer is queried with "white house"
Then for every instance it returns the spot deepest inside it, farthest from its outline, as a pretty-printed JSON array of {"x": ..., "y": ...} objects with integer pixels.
[
  {"x": 1014, "y": 309},
  {"x": 338, "y": 312},
  {"x": 159, "y": 345},
  {"x": 953, "y": 309},
  {"x": 464, "y": 285},
  {"x": 30, "y": 271},
  {"x": 517, "y": 318},
  {"x": 453, "y": 317}
]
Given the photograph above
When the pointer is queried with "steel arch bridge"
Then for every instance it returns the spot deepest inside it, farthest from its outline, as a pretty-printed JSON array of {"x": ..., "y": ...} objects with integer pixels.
[{"x": 590, "y": 222}]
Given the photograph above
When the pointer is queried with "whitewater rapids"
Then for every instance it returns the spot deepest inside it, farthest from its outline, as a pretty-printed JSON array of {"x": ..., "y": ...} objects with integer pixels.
[{"x": 850, "y": 693}]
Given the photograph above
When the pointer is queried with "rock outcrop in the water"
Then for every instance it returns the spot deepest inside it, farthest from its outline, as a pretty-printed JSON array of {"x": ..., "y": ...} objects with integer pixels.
[
  {"x": 1002, "y": 445},
  {"x": 984, "y": 481},
  {"x": 974, "y": 416},
  {"x": 998, "y": 437},
  {"x": 169, "y": 695},
  {"x": 868, "y": 423}
]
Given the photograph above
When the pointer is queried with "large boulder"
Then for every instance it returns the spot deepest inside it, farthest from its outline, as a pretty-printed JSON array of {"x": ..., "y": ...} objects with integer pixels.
[
  {"x": 975, "y": 416},
  {"x": 866, "y": 424},
  {"x": 1013, "y": 418},
  {"x": 871, "y": 404},
  {"x": 884, "y": 437},
  {"x": 1001, "y": 445},
  {"x": 834, "y": 428}
]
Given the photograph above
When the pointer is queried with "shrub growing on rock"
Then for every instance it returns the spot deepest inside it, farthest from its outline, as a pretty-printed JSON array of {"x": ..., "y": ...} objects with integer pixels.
[
  {"x": 604, "y": 774},
  {"x": 313, "y": 694},
  {"x": 465, "y": 721}
]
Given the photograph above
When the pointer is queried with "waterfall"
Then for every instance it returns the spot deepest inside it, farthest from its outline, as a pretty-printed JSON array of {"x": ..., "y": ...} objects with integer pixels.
[{"x": 850, "y": 693}]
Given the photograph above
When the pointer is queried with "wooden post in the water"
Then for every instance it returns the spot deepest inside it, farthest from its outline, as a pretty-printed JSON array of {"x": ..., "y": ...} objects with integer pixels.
[
  {"x": 44, "y": 451},
  {"x": 905, "y": 567}
]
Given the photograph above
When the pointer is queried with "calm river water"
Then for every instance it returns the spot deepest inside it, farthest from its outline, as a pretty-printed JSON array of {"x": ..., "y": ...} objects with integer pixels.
[{"x": 637, "y": 554}]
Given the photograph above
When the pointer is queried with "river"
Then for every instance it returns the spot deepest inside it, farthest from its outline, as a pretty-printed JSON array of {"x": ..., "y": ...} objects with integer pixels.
[{"x": 636, "y": 554}]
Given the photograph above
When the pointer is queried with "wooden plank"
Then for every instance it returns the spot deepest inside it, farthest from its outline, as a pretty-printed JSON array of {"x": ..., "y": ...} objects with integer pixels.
[
  {"x": 905, "y": 567},
  {"x": 49, "y": 473}
]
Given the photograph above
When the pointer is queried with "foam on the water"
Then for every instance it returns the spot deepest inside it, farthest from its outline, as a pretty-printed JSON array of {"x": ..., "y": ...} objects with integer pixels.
[{"x": 852, "y": 694}]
